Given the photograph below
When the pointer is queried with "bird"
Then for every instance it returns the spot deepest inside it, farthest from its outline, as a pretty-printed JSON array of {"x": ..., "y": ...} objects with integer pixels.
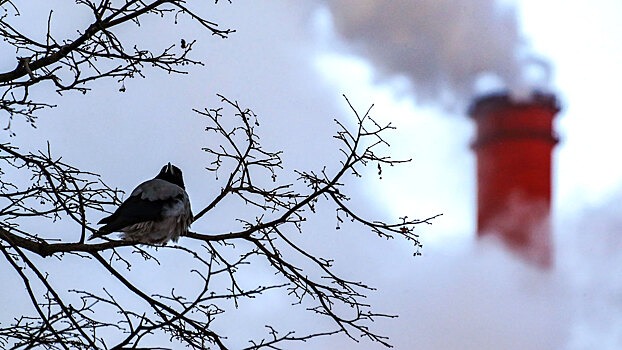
[{"x": 157, "y": 211}]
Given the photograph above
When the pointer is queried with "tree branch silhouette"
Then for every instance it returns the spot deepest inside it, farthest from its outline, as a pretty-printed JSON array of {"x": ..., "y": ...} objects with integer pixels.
[
  {"x": 96, "y": 53},
  {"x": 39, "y": 189}
]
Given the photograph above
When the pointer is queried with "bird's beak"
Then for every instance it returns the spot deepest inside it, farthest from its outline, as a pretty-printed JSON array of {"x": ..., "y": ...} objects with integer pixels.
[{"x": 170, "y": 169}]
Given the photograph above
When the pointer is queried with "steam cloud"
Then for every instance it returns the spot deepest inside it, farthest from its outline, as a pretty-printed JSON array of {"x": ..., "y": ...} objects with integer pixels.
[{"x": 447, "y": 49}]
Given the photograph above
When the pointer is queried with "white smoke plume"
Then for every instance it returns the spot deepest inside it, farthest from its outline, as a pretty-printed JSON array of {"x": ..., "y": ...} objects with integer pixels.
[{"x": 447, "y": 49}]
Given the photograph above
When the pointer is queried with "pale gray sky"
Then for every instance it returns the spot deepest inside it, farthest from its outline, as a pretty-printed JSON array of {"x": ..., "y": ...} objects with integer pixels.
[{"x": 286, "y": 64}]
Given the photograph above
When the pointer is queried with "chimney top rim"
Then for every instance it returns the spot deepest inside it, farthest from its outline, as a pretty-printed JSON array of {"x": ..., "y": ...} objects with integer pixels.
[{"x": 505, "y": 99}]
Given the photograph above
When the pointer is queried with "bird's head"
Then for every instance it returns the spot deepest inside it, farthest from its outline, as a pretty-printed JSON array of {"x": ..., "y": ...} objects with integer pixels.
[{"x": 171, "y": 174}]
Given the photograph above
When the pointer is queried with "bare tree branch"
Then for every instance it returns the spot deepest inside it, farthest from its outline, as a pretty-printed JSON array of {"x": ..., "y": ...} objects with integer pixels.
[
  {"x": 96, "y": 53},
  {"x": 38, "y": 189}
]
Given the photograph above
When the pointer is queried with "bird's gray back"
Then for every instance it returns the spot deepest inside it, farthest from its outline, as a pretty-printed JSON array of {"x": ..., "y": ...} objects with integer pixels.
[{"x": 157, "y": 189}]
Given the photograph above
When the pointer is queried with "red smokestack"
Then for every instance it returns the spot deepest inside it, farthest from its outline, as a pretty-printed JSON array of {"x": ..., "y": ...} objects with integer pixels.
[{"x": 513, "y": 146}]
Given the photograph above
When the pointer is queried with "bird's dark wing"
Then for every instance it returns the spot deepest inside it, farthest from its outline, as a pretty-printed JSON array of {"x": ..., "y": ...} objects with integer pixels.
[
  {"x": 146, "y": 203},
  {"x": 134, "y": 210}
]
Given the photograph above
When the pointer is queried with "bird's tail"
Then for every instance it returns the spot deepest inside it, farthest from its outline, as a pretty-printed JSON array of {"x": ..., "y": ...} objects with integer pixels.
[
  {"x": 95, "y": 235},
  {"x": 102, "y": 231}
]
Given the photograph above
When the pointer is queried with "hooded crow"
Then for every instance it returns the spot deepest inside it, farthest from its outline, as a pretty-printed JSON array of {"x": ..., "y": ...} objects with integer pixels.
[{"x": 158, "y": 210}]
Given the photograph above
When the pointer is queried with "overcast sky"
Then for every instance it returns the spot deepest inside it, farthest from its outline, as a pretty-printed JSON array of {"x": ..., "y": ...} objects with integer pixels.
[{"x": 290, "y": 62}]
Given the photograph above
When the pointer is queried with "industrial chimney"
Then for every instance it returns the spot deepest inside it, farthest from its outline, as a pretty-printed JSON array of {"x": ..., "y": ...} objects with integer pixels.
[{"x": 513, "y": 147}]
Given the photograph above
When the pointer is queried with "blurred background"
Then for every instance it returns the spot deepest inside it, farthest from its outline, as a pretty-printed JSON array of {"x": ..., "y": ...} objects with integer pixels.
[{"x": 420, "y": 63}]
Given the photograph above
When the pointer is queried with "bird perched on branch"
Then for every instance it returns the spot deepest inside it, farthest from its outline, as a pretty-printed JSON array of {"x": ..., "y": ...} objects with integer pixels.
[{"x": 158, "y": 210}]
